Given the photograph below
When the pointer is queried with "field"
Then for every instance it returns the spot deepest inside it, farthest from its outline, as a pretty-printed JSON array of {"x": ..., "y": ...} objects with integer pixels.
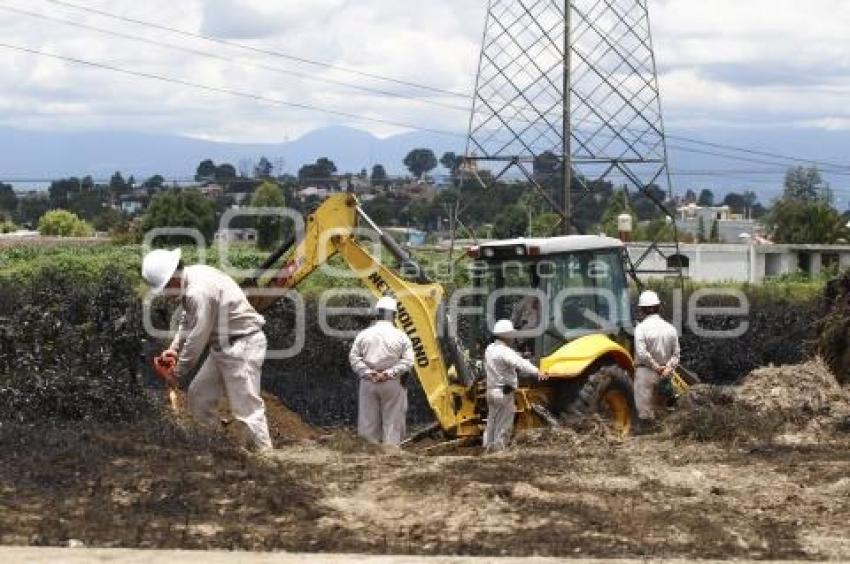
[
  {"x": 91, "y": 454},
  {"x": 774, "y": 486}
]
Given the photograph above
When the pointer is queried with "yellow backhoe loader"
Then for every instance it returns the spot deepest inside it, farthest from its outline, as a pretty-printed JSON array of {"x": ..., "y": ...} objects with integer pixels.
[{"x": 576, "y": 285}]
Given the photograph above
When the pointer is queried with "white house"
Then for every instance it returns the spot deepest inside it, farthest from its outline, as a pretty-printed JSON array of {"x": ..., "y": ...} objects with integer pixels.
[
  {"x": 752, "y": 263},
  {"x": 730, "y": 226}
]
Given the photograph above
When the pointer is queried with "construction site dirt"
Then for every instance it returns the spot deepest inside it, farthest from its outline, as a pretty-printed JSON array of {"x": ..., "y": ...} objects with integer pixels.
[
  {"x": 755, "y": 470},
  {"x": 777, "y": 487}
]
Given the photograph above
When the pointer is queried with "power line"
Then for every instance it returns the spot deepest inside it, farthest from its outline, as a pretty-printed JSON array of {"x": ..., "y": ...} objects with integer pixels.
[
  {"x": 230, "y": 59},
  {"x": 258, "y": 50},
  {"x": 279, "y": 54},
  {"x": 217, "y": 89},
  {"x": 759, "y": 152},
  {"x": 367, "y": 89}
]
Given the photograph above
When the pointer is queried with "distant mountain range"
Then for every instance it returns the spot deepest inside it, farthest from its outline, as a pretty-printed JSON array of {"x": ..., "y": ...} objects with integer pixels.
[{"x": 32, "y": 158}]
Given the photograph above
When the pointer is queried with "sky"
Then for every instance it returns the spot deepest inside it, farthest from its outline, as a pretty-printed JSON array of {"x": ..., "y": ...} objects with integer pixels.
[
  {"x": 728, "y": 63},
  {"x": 724, "y": 65}
]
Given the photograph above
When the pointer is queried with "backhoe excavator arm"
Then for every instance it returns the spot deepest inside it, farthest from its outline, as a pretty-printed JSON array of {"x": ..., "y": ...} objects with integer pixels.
[{"x": 332, "y": 230}]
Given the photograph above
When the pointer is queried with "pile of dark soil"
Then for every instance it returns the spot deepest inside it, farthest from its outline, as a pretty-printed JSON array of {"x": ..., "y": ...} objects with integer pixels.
[
  {"x": 833, "y": 329},
  {"x": 150, "y": 484},
  {"x": 804, "y": 401},
  {"x": 778, "y": 331}
]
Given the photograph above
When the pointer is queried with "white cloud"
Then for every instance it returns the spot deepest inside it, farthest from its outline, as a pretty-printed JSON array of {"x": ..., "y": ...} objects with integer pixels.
[{"x": 722, "y": 61}]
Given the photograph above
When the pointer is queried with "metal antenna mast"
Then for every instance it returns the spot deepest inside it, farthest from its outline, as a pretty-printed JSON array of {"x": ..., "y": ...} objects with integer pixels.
[{"x": 566, "y": 95}]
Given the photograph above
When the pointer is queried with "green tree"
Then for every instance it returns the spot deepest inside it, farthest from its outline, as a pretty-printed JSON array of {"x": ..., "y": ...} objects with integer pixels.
[
  {"x": 117, "y": 184},
  {"x": 264, "y": 168},
  {"x": 379, "y": 175},
  {"x": 737, "y": 203},
  {"x": 544, "y": 224},
  {"x": 511, "y": 222},
  {"x": 706, "y": 198},
  {"x": 86, "y": 204},
  {"x": 660, "y": 230},
  {"x": 546, "y": 165},
  {"x": 319, "y": 173},
  {"x": 188, "y": 208},
  {"x": 701, "y": 230},
  {"x": 714, "y": 236},
  {"x": 804, "y": 222},
  {"x": 451, "y": 161},
  {"x": 269, "y": 227},
  {"x": 420, "y": 161},
  {"x": 62, "y": 223},
  {"x": 382, "y": 210},
  {"x": 805, "y": 184},
  {"x": 61, "y": 190},
  {"x": 690, "y": 197},
  {"x": 30, "y": 210},
  {"x": 7, "y": 226},
  {"x": 155, "y": 181},
  {"x": 225, "y": 173},
  {"x": 206, "y": 170},
  {"x": 8, "y": 200},
  {"x": 108, "y": 219}
]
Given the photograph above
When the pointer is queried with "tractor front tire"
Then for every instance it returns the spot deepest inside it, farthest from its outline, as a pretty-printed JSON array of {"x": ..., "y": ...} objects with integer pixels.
[{"x": 606, "y": 391}]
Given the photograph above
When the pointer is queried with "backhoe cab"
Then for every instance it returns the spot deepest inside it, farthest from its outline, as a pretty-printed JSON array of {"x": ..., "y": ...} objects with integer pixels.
[{"x": 569, "y": 299}]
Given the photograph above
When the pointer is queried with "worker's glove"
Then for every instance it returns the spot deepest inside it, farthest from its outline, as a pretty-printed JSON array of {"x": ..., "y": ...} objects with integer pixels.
[
  {"x": 164, "y": 368},
  {"x": 169, "y": 355}
]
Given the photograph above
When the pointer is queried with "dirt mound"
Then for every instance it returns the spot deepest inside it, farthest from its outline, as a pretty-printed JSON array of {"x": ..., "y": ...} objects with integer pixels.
[
  {"x": 833, "y": 329},
  {"x": 285, "y": 426},
  {"x": 803, "y": 400},
  {"x": 808, "y": 388}
]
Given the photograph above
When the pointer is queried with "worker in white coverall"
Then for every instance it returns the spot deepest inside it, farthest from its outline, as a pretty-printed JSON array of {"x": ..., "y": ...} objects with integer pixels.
[
  {"x": 381, "y": 357},
  {"x": 656, "y": 356},
  {"x": 503, "y": 366},
  {"x": 216, "y": 313}
]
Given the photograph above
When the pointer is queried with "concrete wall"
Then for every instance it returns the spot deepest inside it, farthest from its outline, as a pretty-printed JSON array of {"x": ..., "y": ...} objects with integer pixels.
[{"x": 742, "y": 263}]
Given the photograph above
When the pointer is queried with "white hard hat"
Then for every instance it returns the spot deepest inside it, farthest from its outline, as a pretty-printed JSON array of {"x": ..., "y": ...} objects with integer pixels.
[
  {"x": 387, "y": 303},
  {"x": 504, "y": 328},
  {"x": 649, "y": 299},
  {"x": 158, "y": 267}
]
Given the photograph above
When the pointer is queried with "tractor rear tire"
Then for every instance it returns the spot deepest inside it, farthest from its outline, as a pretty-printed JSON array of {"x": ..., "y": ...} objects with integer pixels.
[{"x": 606, "y": 391}]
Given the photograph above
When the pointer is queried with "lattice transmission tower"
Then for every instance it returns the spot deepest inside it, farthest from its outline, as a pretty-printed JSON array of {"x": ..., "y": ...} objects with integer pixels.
[{"x": 567, "y": 94}]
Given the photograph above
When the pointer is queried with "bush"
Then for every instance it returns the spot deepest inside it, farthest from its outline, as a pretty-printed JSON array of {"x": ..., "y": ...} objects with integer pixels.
[
  {"x": 62, "y": 223},
  {"x": 7, "y": 227},
  {"x": 70, "y": 349},
  {"x": 109, "y": 219}
]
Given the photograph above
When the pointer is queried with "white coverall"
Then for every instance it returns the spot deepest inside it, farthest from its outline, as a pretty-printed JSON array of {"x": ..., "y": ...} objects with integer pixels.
[
  {"x": 656, "y": 346},
  {"x": 382, "y": 406},
  {"x": 216, "y": 312},
  {"x": 502, "y": 365}
]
